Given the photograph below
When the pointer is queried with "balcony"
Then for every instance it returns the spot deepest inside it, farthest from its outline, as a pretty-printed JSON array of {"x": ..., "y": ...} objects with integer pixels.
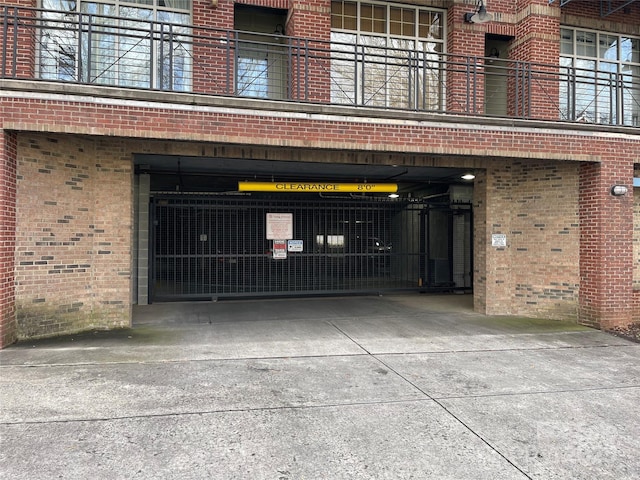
[{"x": 81, "y": 48}]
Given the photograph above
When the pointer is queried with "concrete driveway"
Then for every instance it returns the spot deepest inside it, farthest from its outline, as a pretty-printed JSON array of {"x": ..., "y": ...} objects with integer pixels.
[{"x": 394, "y": 387}]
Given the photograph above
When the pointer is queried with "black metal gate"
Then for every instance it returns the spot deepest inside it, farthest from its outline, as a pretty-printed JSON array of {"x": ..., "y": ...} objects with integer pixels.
[{"x": 216, "y": 246}]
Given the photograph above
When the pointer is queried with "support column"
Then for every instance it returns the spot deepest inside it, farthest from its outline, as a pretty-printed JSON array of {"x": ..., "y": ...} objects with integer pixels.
[
  {"x": 606, "y": 245},
  {"x": 492, "y": 210},
  {"x": 8, "y": 156},
  {"x": 142, "y": 234}
]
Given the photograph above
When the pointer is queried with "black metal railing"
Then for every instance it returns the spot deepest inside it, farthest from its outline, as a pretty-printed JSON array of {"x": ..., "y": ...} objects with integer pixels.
[{"x": 84, "y": 48}]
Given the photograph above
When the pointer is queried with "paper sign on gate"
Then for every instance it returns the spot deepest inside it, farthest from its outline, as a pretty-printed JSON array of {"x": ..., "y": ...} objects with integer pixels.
[{"x": 279, "y": 226}]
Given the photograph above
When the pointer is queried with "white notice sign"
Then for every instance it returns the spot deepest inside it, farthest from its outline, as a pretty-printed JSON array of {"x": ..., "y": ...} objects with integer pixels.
[
  {"x": 498, "y": 240},
  {"x": 279, "y": 226}
]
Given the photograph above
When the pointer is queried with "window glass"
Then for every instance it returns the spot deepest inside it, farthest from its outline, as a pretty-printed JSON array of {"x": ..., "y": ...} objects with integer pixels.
[
  {"x": 344, "y": 15},
  {"x": 566, "y": 41},
  {"x": 391, "y": 60},
  {"x": 586, "y": 44},
  {"x": 117, "y": 48},
  {"x": 608, "y": 47},
  {"x": 602, "y": 84},
  {"x": 372, "y": 18},
  {"x": 630, "y": 49},
  {"x": 430, "y": 25}
]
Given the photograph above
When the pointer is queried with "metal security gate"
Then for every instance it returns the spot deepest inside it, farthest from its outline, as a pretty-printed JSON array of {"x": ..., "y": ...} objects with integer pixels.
[{"x": 216, "y": 246}]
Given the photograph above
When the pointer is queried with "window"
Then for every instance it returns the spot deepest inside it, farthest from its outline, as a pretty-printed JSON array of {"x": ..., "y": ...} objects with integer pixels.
[
  {"x": 386, "y": 55},
  {"x": 600, "y": 75},
  {"x": 143, "y": 43}
]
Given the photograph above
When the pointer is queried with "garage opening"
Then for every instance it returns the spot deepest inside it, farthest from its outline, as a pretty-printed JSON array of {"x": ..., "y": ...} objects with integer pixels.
[
  {"x": 200, "y": 237},
  {"x": 215, "y": 247}
]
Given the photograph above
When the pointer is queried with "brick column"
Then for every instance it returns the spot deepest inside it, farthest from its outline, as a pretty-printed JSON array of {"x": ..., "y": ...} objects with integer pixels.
[
  {"x": 537, "y": 41},
  {"x": 310, "y": 22},
  {"x": 8, "y": 155},
  {"x": 493, "y": 210},
  {"x": 213, "y": 46},
  {"x": 606, "y": 245},
  {"x": 465, "y": 78}
]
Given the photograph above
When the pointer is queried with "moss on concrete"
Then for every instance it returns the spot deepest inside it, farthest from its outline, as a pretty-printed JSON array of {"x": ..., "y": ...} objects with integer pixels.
[{"x": 530, "y": 325}]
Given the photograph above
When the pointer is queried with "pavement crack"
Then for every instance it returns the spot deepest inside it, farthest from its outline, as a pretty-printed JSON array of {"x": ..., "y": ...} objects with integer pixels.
[
  {"x": 211, "y": 412},
  {"x": 453, "y": 415}
]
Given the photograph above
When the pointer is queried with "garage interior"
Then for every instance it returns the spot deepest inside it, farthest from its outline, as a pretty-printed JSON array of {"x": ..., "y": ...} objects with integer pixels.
[{"x": 199, "y": 238}]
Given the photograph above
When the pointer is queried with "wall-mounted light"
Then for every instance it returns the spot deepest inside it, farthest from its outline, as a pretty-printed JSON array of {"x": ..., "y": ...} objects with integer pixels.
[
  {"x": 480, "y": 15},
  {"x": 468, "y": 176},
  {"x": 619, "y": 190}
]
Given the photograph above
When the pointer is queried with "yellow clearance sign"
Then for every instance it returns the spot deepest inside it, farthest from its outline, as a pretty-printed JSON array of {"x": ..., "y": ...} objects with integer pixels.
[{"x": 315, "y": 187}]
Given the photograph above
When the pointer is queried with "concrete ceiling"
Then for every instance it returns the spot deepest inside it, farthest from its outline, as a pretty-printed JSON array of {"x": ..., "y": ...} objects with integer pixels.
[{"x": 222, "y": 174}]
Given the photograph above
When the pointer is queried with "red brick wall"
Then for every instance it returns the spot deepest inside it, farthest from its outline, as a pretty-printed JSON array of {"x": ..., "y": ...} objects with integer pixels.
[
  {"x": 211, "y": 73},
  {"x": 8, "y": 331},
  {"x": 20, "y": 55},
  {"x": 606, "y": 244},
  {"x": 73, "y": 238},
  {"x": 218, "y": 124},
  {"x": 311, "y": 20},
  {"x": 587, "y": 12}
]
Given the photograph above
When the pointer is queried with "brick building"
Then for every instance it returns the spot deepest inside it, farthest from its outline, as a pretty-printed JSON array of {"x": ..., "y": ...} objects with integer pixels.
[{"x": 130, "y": 129}]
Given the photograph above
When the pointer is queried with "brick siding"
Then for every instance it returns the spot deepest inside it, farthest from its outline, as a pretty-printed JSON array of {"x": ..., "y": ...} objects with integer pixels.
[
  {"x": 73, "y": 236},
  {"x": 7, "y": 237}
]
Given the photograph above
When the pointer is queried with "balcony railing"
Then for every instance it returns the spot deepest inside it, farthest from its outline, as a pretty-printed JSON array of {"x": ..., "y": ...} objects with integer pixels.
[{"x": 83, "y": 48}]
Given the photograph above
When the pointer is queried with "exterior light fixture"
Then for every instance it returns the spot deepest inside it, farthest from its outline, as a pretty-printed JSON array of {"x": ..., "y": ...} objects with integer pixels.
[
  {"x": 468, "y": 176},
  {"x": 619, "y": 190},
  {"x": 394, "y": 195},
  {"x": 480, "y": 15}
]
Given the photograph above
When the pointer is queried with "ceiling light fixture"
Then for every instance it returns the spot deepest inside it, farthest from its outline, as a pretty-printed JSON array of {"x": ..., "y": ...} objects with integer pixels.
[
  {"x": 468, "y": 176},
  {"x": 480, "y": 15}
]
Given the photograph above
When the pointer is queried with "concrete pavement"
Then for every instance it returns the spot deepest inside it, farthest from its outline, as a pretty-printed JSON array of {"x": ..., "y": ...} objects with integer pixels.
[{"x": 394, "y": 387}]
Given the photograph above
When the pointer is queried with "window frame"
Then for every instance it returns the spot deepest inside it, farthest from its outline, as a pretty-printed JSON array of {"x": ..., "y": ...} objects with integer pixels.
[
  {"x": 367, "y": 42},
  {"x": 580, "y": 83},
  {"x": 115, "y": 26}
]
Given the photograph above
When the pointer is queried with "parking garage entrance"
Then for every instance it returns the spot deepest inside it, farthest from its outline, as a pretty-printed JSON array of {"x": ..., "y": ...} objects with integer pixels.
[{"x": 211, "y": 246}]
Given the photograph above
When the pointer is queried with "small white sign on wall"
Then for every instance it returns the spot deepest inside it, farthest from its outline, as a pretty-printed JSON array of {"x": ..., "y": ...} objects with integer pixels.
[{"x": 498, "y": 240}]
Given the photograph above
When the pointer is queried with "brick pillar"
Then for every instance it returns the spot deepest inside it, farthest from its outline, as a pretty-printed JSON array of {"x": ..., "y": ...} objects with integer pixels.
[
  {"x": 214, "y": 48},
  {"x": 493, "y": 265},
  {"x": 310, "y": 22},
  {"x": 606, "y": 245},
  {"x": 465, "y": 76},
  {"x": 537, "y": 43},
  {"x": 8, "y": 149}
]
